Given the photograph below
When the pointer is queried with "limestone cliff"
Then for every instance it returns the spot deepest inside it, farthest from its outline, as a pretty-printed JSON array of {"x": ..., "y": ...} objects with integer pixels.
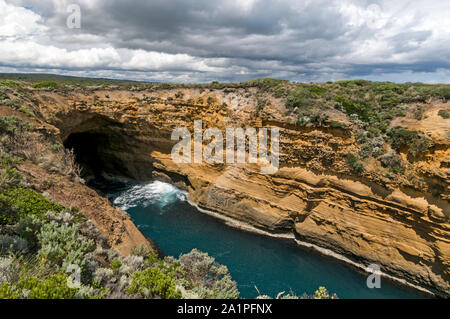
[{"x": 400, "y": 222}]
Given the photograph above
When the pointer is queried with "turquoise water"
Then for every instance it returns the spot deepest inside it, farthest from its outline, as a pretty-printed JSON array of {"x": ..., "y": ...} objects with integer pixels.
[{"x": 162, "y": 213}]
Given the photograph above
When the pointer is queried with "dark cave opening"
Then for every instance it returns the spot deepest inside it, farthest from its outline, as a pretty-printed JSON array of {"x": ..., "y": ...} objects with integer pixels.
[{"x": 87, "y": 149}]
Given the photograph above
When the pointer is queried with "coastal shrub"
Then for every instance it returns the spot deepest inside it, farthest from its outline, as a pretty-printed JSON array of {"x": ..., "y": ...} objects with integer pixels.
[
  {"x": 401, "y": 137},
  {"x": 18, "y": 202},
  {"x": 153, "y": 282},
  {"x": 300, "y": 97},
  {"x": 103, "y": 276},
  {"x": 179, "y": 95},
  {"x": 337, "y": 124},
  {"x": 206, "y": 277},
  {"x": 266, "y": 83},
  {"x": 393, "y": 161},
  {"x": 315, "y": 118},
  {"x": 13, "y": 125},
  {"x": 3, "y": 96},
  {"x": 46, "y": 85},
  {"x": 321, "y": 293},
  {"x": 317, "y": 90},
  {"x": 131, "y": 264},
  {"x": 69, "y": 166},
  {"x": 261, "y": 103},
  {"x": 418, "y": 113},
  {"x": 366, "y": 151},
  {"x": 210, "y": 100},
  {"x": 12, "y": 244},
  {"x": 8, "y": 269},
  {"x": 116, "y": 264},
  {"x": 318, "y": 119},
  {"x": 355, "y": 164},
  {"x": 444, "y": 114},
  {"x": 443, "y": 91},
  {"x": 53, "y": 287},
  {"x": 63, "y": 245},
  {"x": 9, "y": 176},
  {"x": 419, "y": 145},
  {"x": 28, "y": 228},
  {"x": 10, "y": 83},
  {"x": 363, "y": 109},
  {"x": 371, "y": 146}
]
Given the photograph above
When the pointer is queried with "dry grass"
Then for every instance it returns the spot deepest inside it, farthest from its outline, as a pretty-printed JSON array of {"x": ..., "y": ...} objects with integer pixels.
[{"x": 70, "y": 166}]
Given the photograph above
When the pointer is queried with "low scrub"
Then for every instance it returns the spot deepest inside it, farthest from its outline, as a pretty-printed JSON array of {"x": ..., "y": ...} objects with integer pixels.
[{"x": 18, "y": 202}]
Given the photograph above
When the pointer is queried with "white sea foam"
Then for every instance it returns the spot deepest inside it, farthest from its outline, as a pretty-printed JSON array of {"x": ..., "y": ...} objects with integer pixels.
[{"x": 144, "y": 195}]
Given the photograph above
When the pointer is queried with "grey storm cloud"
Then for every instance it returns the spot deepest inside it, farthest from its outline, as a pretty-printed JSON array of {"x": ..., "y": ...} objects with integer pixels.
[{"x": 230, "y": 40}]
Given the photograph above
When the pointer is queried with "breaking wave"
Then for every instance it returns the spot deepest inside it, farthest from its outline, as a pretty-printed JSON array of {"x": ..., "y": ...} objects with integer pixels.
[{"x": 144, "y": 195}]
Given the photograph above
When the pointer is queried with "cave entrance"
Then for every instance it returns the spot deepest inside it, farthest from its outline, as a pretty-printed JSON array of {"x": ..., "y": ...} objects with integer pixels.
[{"x": 87, "y": 148}]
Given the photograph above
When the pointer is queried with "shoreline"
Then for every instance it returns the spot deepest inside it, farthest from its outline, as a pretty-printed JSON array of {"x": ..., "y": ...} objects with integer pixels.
[{"x": 320, "y": 250}]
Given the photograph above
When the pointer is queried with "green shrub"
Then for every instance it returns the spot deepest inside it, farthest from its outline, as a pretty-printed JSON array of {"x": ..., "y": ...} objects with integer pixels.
[
  {"x": 444, "y": 91},
  {"x": 321, "y": 293},
  {"x": 179, "y": 95},
  {"x": 13, "y": 125},
  {"x": 9, "y": 176},
  {"x": 315, "y": 118},
  {"x": 317, "y": 90},
  {"x": 261, "y": 103},
  {"x": 419, "y": 145},
  {"x": 10, "y": 83},
  {"x": 116, "y": 264},
  {"x": 363, "y": 109},
  {"x": 63, "y": 245},
  {"x": 3, "y": 96},
  {"x": 300, "y": 97},
  {"x": 153, "y": 282},
  {"x": 12, "y": 244},
  {"x": 46, "y": 85},
  {"x": 207, "y": 277},
  {"x": 444, "y": 114},
  {"x": 388, "y": 87},
  {"x": 393, "y": 162},
  {"x": 418, "y": 114},
  {"x": 267, "y": 83},
  {"x": 18, "y": 202},
  {"x": 371, "y": 146},
  {"x": 401, "y": 137},
  {"x": 353, "y": 83},
  {"x": 151, "y": 258},
  {"x": 53, "y": 287},
  {"x": 355, "y": 164},
  {"x": 337, "y": 124},
  {"x": 28, "y": 228}
]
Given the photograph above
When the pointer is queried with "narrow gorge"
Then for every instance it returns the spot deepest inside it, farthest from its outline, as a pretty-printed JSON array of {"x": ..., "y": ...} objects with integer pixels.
[{"x": 400, "y": 221}]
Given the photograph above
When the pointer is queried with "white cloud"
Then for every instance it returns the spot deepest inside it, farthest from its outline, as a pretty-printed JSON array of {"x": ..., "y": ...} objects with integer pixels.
[
  {"x": 17, "y": 22},
  {"x": 230, "y": 40}
]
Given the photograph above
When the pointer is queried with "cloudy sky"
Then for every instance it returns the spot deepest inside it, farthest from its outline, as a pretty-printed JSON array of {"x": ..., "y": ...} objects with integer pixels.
[{"x": 229, "y": 40}]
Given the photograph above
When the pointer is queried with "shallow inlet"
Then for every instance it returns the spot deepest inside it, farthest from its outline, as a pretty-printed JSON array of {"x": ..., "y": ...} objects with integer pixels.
[{"x": 162, "y": 212}]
